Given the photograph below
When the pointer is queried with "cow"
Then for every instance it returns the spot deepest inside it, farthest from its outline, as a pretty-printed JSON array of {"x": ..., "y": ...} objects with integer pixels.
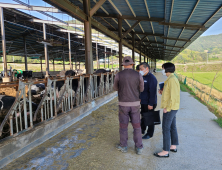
[
  {"x": 78, "y": 71},
  {"x": 6, "y": 103},
  {"x": 104, "y": 71},
  {"x": 37, "y": 88},
  {"x": 101, "y": 71},
  {"x": 70, "y": 73},
  {"x": 40, "y": 88}
]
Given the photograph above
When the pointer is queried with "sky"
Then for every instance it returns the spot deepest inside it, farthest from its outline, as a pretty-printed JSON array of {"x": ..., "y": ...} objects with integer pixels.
[{"x": 215, "y": 29}]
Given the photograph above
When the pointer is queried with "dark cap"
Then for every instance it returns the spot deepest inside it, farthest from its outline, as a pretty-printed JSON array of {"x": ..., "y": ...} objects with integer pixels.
[{"x": 127, "y": 61}]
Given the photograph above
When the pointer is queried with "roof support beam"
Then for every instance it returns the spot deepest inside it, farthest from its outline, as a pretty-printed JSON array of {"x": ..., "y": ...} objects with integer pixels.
[
  {"x": 130, "y": 8},
  {"x": 142, "y": 39},
  {"x": 154, "y": 47},
  {"x": 96, "y": 7},
  {"x": 129, "y": 17},
  {"x": 114, "y": 6},
  {"x": 148, "y": 34},
  {"x": 187, "y": 26},
  {"x": 31, "y": 8},
  {"x": 170, "y": 50},
  {"x": 71, "y": 9},
  {"x": 174, "y": 46},
  {"x": 132, "y": 27},
  {"x": 160, "y": 20},
  {"x": 153, "y": 42},
  {"x": 177, "y": 39}
]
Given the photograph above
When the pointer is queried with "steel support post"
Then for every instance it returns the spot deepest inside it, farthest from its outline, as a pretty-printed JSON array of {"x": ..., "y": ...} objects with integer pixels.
[
  {"x": 105, "y": 57},
  {"x": 155, "y": 63},
  {"x": 144, "y": 59},
  {"x": 108, "y": 61},
  {"x": 133, "y": 50},
  {"x": 151, "y": 63},
  {"x": 97, "y": 59},
  {"x": 46, "y": 52},
  {"x": 25, "y": 54},
  {"x": 120, "y": 43},
  {"x": 41, "y": 63},
  {"x": 53, "y": 64},
  {"x": 70, "y": 52},
  {"x": 76, "y": 62},
  {"x": 140, "y": 53},
  {"x": 63, "y": 57},
  {"x": 112, "y": 57},
  {"x": 88, "y": 38},
  {"x": 3, "y": 42}
]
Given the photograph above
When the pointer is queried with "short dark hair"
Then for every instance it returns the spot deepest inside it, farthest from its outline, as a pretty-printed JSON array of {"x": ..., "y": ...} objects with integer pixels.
[
  {"x": 138, "y": 67},
  {"x": 145, "y": 65},
  {"x": 169, "y": 67},
  {"x": 163, "y": 65}
]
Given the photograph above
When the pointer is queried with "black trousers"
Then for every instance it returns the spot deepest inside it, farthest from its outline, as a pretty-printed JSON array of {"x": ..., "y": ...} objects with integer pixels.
[{"x": 150, "y": 131}]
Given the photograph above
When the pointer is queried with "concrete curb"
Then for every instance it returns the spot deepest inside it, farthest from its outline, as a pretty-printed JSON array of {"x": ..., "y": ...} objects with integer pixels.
[{"x": 16, "y": 146}]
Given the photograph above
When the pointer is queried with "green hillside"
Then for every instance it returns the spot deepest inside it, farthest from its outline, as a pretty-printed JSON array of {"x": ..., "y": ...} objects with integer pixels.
[
  {"x": 196, "y": 52},
  {"x": 212, "y": 43},
  {"x": 190, "y": 56}
]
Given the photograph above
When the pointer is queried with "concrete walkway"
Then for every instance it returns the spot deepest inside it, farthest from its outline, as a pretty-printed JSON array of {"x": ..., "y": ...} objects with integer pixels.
[{"x": 90, "y": 143}]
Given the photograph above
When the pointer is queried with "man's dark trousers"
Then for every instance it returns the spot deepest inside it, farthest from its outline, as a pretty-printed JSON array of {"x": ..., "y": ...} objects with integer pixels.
[{"x": 150, "y": 131}]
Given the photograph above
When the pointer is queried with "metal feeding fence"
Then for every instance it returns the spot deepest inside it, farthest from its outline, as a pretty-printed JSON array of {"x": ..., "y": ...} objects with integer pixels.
[
  {"x": 75, "y": 91},
  {"x": 209, "y": 95}
]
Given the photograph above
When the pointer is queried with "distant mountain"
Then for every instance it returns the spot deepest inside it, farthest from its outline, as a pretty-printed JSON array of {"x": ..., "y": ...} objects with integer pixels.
[{"x": 211, "y": 43}]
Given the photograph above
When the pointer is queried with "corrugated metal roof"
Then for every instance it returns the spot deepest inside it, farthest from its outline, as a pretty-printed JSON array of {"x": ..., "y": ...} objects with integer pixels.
[
  {"x": 17, "y": 25},
  {"x": 192, "y": 12}
]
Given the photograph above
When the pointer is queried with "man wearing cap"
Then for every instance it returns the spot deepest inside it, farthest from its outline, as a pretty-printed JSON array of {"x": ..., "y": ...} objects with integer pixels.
[{"x": 129, "y": 84}]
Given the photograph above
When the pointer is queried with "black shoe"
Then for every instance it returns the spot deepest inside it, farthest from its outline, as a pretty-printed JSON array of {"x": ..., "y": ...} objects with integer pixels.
[
  {"x": 173, "y": 150},
  {"x": 164, "y": 156},
  {"x": 146, "y": 137}
]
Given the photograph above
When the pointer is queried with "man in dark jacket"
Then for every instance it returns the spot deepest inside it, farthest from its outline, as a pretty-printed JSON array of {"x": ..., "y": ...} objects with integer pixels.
[
  {"x": 148, "y": 96},
  {"x": 129, "y": 84}
]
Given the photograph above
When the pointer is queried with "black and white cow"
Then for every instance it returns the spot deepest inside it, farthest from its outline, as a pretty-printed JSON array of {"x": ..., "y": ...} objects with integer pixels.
[
  {"x": 6, "y": 103},
  {"x": 70, "y": 73},
  {"x": 37, "y": 88},
  {"x": 105, "y": 76}
]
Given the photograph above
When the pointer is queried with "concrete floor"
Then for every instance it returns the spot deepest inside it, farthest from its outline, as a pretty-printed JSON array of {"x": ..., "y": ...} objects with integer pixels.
[{"x": 90, "y": 143}]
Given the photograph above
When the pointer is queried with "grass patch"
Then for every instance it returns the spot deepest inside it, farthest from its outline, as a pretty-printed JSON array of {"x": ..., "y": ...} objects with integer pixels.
[
  {"x": 219, "y": 121},
  {"x": 183, "y": 87},
  {"x": 206, "y": 78}
]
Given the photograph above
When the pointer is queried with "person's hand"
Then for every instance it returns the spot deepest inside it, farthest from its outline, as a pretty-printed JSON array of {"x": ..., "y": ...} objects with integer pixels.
[
  {"x": 164, "y": 110},
  {"x": 160, "y": 91},
  {"x": 150, "y": 107}
]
